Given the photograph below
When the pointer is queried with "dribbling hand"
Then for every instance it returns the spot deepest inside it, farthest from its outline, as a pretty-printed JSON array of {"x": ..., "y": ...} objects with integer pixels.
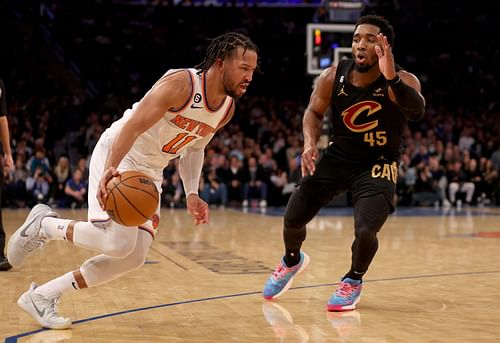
[
  {"x": 197, "y": 208},
  {"x": 309, "y": 157},
  {"x": 102, "y": 193}
]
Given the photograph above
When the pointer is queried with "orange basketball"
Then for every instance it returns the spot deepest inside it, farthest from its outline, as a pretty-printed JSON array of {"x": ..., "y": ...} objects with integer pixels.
[{"x": 132, "y": 198}]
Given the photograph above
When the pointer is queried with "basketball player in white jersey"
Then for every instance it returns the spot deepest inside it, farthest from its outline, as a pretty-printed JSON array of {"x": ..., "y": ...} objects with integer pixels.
[{"x": 177, "y": 117}]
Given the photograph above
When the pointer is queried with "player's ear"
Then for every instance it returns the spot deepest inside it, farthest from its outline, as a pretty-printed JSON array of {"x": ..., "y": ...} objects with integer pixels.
[{"x": 219, "y": 62}]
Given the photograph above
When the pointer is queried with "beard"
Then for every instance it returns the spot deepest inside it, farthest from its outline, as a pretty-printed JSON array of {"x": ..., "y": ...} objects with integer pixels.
[
  {"x": 363, "y": 68},
  {"x": 231, "y": 92},
  {"x": 230, "y": 89}
]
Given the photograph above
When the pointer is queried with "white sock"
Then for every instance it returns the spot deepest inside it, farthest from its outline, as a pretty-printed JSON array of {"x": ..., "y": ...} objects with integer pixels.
[
  {"x": 58, "y": 286},
  {"x": 55, "y": 228}
]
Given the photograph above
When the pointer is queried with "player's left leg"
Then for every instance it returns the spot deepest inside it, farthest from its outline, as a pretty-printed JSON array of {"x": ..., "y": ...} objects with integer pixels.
[
  {"x": 40, "y": 302},
  {"x": 314, "y": 192},
  {"x": 373, "y": 195},
  {"x": 369, "y": 215}
]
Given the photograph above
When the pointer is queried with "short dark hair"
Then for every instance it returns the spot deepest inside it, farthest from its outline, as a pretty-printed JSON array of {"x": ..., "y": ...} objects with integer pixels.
[
  {"x": 224, "y": 45},
  {"x": 382, "y": 23}
]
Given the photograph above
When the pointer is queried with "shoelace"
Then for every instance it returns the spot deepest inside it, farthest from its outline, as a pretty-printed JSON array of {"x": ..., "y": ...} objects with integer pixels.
[
  {"x": 345, "y": 290},
  {"x": 280, "y": 271},
  {"x": 52, "y": 305}
]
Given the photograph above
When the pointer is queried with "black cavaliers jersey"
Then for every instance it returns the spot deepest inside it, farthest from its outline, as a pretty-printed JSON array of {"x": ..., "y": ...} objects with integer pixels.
[{"x": 366, "y": 124}]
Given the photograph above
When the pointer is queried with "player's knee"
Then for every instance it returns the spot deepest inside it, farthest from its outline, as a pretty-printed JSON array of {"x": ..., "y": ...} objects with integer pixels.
[
  {"x": 136, "y": 260},
  {"x": 366, "y": 233},
  {"x": 292, "y": 223},
  {"x": 120, "y": 247}
]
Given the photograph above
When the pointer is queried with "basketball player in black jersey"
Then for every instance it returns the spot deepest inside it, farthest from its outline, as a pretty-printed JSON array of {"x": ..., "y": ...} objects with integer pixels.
[{"x": 372, "y": 100}]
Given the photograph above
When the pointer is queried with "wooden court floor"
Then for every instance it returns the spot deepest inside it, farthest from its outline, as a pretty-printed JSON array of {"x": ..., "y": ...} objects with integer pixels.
[{"x": 436, "y": 278}]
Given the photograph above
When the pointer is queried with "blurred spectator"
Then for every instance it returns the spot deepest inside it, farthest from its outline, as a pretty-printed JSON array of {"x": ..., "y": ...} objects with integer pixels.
[
  {"x": 62, "y": 174},
  {"x": 407, "y": 176},
  {"x": 234, "y": 181},
  {"x": 440, "y": 182},
  {"x": 279, "y": 180},
  {"x": 490, "y": 188},
  {"x": 255, "y": 185},
  {"x": 16, "y": 184},
  {"x": 459, "y": 182},
  {"x": 172, "y": 190},
  {"x": 293, "y": 177},
  {"x": 76, "y": 190},
  {"x": 495, "y": 158},
  {"x": 426, "y": 190},
  {"x": 39, "y": 160},
  {"x": 84, "y": 167},
  {"x": 213, "y": 190},
  {"x": 38, "y": 186}
]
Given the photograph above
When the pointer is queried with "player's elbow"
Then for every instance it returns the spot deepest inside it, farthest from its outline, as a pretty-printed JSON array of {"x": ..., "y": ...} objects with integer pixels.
[
  {"x": 415, "y": 114},
  {"x": 414, "y": 110}
]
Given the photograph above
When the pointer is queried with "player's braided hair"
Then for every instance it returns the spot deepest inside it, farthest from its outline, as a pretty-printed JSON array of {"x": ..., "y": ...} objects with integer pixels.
[
  {"x": 381, "y": 23},
  {"x": 223, "y": 46}
]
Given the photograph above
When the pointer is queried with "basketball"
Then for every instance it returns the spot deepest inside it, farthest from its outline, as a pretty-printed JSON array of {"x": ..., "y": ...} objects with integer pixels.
[{"x": 132, "y": 198}]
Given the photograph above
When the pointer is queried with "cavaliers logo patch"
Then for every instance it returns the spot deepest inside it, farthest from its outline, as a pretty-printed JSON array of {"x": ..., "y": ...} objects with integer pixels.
[{"x": 352, "y": 113}]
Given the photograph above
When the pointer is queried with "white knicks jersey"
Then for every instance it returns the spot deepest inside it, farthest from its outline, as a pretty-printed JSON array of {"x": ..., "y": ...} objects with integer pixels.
[{"x": 192, "y": 125}]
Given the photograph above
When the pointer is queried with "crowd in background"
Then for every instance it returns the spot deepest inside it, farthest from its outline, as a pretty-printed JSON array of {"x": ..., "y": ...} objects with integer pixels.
[{"x": 449, "y": 158}]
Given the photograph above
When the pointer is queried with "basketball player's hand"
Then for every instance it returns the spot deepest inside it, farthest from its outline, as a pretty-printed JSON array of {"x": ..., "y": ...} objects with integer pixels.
[
  {"x": 309, "y": 157},
  {"x": 102, "y": 193},
  {"x": 8, "y": 162},
  {"x": 386, "y": 62},
  {"x": 197, "y": 208}
]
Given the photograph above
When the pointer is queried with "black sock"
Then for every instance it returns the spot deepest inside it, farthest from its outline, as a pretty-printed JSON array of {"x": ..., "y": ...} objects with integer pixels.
[
  {"x": 355, "y": 275},
  {"x": 292, "y": 257}
]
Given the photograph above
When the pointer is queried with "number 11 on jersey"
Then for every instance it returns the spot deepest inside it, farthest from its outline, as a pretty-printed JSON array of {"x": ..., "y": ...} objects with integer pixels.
[{"x": 178, "y": 142}]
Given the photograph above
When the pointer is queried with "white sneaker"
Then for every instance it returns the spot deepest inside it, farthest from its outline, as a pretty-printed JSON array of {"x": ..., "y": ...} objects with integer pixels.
[
  {"x": 28, "y": 237},
  {"x": 263, "y": 204},
  {"x": 42, "y": 309}
]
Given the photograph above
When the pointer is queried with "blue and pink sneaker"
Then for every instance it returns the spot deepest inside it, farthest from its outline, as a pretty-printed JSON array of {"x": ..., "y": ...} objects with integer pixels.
[
  {"x": 346, "y": 296},
  {"x": 281, "y": 279}
]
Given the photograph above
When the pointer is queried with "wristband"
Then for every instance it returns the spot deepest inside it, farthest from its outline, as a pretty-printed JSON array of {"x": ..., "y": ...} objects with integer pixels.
[{"x": 394, "y": 81}]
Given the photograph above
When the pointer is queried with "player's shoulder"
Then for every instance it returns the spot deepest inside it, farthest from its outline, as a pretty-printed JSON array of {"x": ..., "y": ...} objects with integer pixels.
[
  {"x": 329, "y": 73},
  {"x": 176, "y": 81},
  {"x": 326, "y": 79},
  {"x": 179, "y": 78}
]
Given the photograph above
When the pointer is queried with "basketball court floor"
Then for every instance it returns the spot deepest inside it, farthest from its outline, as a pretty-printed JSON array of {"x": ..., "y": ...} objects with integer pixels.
[{"x": 436, "y": 278}]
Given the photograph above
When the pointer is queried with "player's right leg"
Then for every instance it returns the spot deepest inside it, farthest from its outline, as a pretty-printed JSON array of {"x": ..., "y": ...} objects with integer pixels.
[
  {"x": 295, "y": 220},
  {"x": 40, "y": 302},
  {"x": 313, "y": 193}
]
